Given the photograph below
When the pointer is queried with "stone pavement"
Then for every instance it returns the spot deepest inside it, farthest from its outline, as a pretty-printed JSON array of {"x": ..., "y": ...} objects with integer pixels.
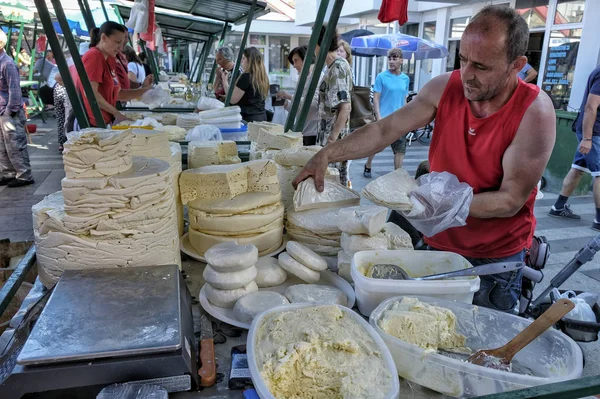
[{"x": 566, "y": 237}]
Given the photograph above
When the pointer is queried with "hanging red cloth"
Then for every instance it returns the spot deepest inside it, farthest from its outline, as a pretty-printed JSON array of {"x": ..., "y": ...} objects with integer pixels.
[
  {"x": 393, "y": 10},
  {"x": 149, "y": 35},
  {"x": 40, "y": 44}
]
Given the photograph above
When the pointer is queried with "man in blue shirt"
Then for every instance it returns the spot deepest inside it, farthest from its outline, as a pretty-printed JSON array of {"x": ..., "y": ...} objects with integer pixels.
[
  {"x": 528, "y": 74},
  {"x": 15, "y": 170},
  {"x": 390, "y": 91},
  {"x": 587, "y": 155}
]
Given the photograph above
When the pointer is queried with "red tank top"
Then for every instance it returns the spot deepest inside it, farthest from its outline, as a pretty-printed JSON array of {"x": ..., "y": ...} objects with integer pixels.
[{"x": 472, "y": 149}]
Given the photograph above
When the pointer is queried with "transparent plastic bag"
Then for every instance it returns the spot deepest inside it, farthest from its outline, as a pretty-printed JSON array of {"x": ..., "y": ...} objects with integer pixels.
[
  {"x": 204, "y": 133},
  {"x": 439, "y": 203},
  {"x": 583, "y": 305},
  {"x": 133, "y": 391},
  {"x": 206, "y": 103},
  {"x": 280, "y": 115},
  {"x": 154, "y": 97}
]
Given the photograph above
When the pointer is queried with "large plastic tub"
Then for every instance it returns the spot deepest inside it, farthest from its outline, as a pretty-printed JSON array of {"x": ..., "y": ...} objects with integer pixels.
[
  {"x": 258, "y": 381},
  {"x": 238, "y": 134},
  {"x": 552, "y": 357},
  {"x": 371, "y": 292}
]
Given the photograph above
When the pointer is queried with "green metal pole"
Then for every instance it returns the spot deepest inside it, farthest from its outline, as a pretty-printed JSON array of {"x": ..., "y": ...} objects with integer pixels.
[
  {"x": 203, "y": 58},
  {"x": 323, "y": 49},
  {"x": 178, "y": 56},
  {"x": 221, "y": 42},
  {"x": 20, "y": 40},
  {"x": 9, "y": 34},
  {"x": 87, "y": 15},
  {"x": 308, "y": 60},
  {"x": 61, "y": 61},
  {"x": 236, "y": 69},
  {"x": 150, "y": 58},
  {"x": 104, "y": 10},
  {"x": 33, "y": 50},
  {"x": 120, "y": 18},
  {"x": 193, "y": 62}
]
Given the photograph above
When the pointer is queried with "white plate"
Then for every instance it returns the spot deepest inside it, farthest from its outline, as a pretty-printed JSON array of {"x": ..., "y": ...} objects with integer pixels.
[
  {"x": 186, "y": 247},
  {"x": 327, "y": 278}
]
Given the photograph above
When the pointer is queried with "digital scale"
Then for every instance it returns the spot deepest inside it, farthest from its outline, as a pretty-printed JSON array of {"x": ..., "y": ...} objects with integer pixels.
[{"x": 108, "y": 326}]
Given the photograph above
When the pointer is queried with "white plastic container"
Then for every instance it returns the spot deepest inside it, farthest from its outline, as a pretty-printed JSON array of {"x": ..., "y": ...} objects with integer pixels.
[
  {"x": 370, "y": 292},
  {"x": 259, "y": 383},
  {"x": 552, "y": 357}
]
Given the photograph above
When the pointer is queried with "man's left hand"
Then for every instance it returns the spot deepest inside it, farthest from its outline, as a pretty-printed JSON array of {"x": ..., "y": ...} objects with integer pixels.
[{"x": 585, "y": 146}]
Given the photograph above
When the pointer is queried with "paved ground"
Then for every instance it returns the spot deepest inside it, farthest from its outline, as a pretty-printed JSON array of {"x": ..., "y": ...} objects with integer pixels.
[{"x": 566, "y": 237}]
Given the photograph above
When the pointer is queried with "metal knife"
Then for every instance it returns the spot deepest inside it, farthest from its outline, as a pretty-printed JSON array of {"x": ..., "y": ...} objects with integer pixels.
[{"x": 207, "y": 370}]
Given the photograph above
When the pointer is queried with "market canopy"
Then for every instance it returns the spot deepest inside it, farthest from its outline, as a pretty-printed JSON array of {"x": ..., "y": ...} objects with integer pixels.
[
  {"x": 231, "y": 11},
  {"x": 13, "y": 10}
]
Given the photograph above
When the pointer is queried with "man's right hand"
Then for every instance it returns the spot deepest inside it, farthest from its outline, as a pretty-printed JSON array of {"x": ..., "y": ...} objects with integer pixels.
[
  {"x": 120, "y": 117},
  {"x": 315, "y": 168},
  {"x": 585, "y": 146}
]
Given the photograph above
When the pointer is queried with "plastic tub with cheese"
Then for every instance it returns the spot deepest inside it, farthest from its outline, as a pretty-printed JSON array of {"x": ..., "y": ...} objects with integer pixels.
[
  {"x": 552, "y": 357},
  {"x": 370, "y": 292},
  {"x": 257, "y": 379}
]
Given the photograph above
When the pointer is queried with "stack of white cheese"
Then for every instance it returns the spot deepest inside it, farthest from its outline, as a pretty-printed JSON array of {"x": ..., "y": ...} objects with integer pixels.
[
  {"x": 155, "y": 144},
  {"x": 223, "y": 118},
  {"x": 314, "y": 221},
  {"x": 364, "y": 228},
  {"x": 268, "y": 138},
  {"x": 239, "y": 203},
  {"x": 126, "y": 218},
  {"x": 202, "y": 153}
]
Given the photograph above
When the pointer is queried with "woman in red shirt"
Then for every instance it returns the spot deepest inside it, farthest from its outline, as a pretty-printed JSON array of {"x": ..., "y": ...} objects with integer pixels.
[{"x": 100, "y": 65}]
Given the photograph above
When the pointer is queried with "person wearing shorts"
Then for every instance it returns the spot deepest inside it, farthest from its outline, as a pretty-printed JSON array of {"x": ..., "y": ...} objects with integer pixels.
[
  {"x": 390, "y": 91},
  {"x": 587, "y": 155}
]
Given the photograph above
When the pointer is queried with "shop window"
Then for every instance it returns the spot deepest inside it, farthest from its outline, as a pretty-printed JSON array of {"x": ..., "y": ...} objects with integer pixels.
[
  {"x": 279, "y": 49},
  {"x": 560, "y": 65},
  {"x": 533, "y": 11},
  {"x": 569, "y": 11},
  {"x": 429, "y": 31},
  {"x": 412, "y": 29},
  {"x": 257, "y": 40},
  {"x": 457, "y": 27},
  {"x": 453, "y": 60}
]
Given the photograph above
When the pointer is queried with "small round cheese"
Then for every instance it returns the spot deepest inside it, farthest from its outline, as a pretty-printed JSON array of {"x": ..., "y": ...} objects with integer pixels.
[
  {"x": 228, "y": 298},
  {"x": 229, "y": 281},
  {"x": 231, "y": 257},
  {"x": 298, "y": 269},
  {"x": 320, "y": 294},
  {"x": 270, "y": 273},
  {"x": 248, "y": 306},
  {"x": 306, "y": 256}
]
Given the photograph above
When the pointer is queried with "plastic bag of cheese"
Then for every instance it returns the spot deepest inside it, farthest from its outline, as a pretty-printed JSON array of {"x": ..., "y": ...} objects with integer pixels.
[
  {"x": 333, "y": 195},
  {"x": 204, "y": 133},
  {"x": 154, "y": 97},
  {"x": 206, "y": 103}
]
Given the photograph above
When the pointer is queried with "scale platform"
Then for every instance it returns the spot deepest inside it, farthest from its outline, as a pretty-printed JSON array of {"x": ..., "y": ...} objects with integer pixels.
[{"x": 106, "y": 326}]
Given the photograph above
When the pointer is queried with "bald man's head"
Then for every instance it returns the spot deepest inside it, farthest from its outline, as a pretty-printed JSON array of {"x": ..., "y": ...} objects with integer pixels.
[
  {"x": 502, "y": 23},
  {"x": 3, "y": 40}
]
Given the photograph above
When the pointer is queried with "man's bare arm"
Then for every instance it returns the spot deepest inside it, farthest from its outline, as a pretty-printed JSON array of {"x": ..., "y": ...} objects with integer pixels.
[
  {"x": 523, "y": 163},
  {"x": 343, "y": 113},
  {"x": 589, "y": 114},
  {"x": 531, "y": 75},
  {"x": 374, "y": 137},
  {"x": 376, "y": 98}
]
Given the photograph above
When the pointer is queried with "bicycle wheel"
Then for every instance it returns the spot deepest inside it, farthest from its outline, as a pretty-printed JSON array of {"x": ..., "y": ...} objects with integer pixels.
[{"x": 424, "y": 135}]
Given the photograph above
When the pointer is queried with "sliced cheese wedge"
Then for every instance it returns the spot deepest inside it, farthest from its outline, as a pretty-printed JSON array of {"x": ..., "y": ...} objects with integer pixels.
[{"x": 334, "y": 195}]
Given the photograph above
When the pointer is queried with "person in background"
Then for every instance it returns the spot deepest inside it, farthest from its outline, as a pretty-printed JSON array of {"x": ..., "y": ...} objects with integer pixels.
[
  {"x": 100, "y": 65},
  {"x": 60, "y": 101},
  {"x": 15, "y": 169},
  {"x": 587, "y": 155},
  {"x": 389, "y": 94},
  {"x": 251, "y": 88},
  {"x": 344, "y": 51},
  {"x": 136, "y": 72},
  {"x": 334, "y": 99},
  {"x": 224, "y": 60},
  {"x": 121, "y": 69},
  {"x": 44, "y": 66},
  {"x": 309, "y": 132},
  {"x": 144, "y": 60},
  {"x": 24, "y": 58},
  {"x": 528, "y": 74}
]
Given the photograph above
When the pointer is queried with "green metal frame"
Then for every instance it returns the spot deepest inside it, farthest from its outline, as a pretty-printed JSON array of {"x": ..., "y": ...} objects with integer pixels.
[
  {"x": 196, "y": 60},
  {"x": 201, "y": 64},
  {"x": 18, "y": 275},
  {"x": 308, "y": 60},
  {"x": 236, "y": 69},
  {"x": 329, "y": 32},
  {"x": 150, "y": 57},
  {"x": 20, "y": 39},
  {"x": 33, "y": 50},
  {"x": 213, "y": 71}
]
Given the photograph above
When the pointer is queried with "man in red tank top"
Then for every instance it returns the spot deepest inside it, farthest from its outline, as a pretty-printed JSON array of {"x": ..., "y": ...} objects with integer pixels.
[{"x": 492, "y": 131}]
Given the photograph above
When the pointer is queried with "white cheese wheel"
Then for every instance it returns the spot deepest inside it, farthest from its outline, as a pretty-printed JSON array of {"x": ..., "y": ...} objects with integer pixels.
[
  {"x": 270, "y": 274},
  {"x": 298, "y": 269},
  {"x": 231, "y": 257},
  {"x": 365, "y": 219},
  {"x": 229, "y": 281},
  {"x": 228, "y": 298},
  {"x": 313, "y": 293},
  {"x": 248, "y": 306},
  {"x": 392, "y": 190},
  {"x": 265, "y": 242},
  {"x": 353, "y": 243},
  {"x": 306, "y": 256}
]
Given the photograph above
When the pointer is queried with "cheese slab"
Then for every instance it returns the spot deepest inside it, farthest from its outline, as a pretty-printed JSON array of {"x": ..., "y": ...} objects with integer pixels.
[
  {"x": 268, "y": 139},
  {"x": 334, "y": 195},
  {"x": 297, "y": 156},
  {"x": 236, "y": 223},
  {"x": 317, "y": 294},
  {"x": 255, "y": 127},
  {"x": 202, "y": 153},
  {"x": 298, "y": 269},
  {"x": 365, "y": 219},
  {"x": 150, "y": 143},
  {"x": 392, "y": 190},
  {"x": 264, "y": 242},
  {"x": 247, "y": 307},
  {"x": 243, "y": 203}
]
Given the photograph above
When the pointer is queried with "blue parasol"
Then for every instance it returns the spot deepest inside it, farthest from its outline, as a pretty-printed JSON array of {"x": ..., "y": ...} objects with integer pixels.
[{"x": 378, "y": 45}]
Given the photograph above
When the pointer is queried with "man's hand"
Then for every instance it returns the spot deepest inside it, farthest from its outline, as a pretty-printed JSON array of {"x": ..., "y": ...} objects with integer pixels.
[
  {"x": 315, "y": 168},
  {"x": 120, "y": 117},
  {"x": 585, "y": 146},
  {"x": 332, "y": 139},
  {"x": 283, "y": 94},
  {"x": 148, "y": 81},
  {"x": 225, "y": 76}
]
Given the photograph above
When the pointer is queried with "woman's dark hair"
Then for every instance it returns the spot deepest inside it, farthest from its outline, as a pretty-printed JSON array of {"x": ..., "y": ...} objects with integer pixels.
[
  {"x": 142, "y": 57},
  {"x": 301, "y": 51},
  {"x": 334, "y": 40},
  {"x": 108, "y": 28},
  {"x": 131, "y": 55}
]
